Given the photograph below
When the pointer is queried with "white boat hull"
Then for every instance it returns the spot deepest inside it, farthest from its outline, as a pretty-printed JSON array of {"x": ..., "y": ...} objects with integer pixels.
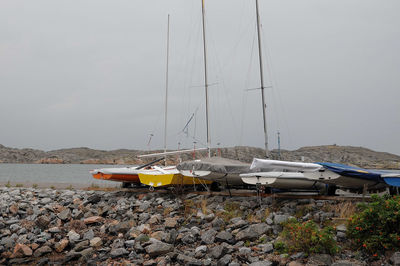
[
  {"x": 333, "y": 178},
  {"x": 282, "y": 180},
  {"x": 230, "y": 179}
]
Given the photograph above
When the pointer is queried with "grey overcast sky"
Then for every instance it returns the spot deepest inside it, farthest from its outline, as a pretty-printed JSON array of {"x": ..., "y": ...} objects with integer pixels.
[{"x": 92, "y": 73}]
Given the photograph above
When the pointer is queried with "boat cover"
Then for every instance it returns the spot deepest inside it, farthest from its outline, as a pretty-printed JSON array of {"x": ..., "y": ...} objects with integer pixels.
[
  {"x": 217, "y": 165},
  {"x": 352, "y": 171},
  {"x": 272, "y": 165}
]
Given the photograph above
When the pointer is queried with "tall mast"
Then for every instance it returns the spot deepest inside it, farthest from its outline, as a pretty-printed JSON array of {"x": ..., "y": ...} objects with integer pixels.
[
  {"x": 205, "y": 79},
  {"x": 166, "y": 96},
  {"x": 262, "y": 82}
]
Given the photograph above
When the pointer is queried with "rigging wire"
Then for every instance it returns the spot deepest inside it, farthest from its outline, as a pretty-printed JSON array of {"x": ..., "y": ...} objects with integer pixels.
[
  {"x": 247, "y": 81},
  {"x": 226, "y": 95},
  {"x": 276, "y": 92}
]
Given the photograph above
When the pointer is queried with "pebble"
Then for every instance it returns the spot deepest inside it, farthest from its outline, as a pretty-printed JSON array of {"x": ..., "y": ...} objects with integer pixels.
[{"x": 45, "y": 226}]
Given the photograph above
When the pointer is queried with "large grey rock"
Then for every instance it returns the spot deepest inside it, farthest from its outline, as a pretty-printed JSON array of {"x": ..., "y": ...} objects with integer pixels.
[
  {"x": 121, "y": 227},
  {"x": 266, "y": 248},
  {"x": 43, "y": 221},
  {"x": 341, "y": 228},
  {"x": 45, "y": 201},
  {"x": 7, "y": 242},
  {"x": 95, "y": 198},
  {"x": 218, "y": 223},
  {"x": 158, "y": 248},
  {"x": 73, "y": 236},
  {"x": 200, "y": 251},
  {"x": 237, "y": 223},
  {"x": 343, "y": 263},
  {"x": 188, "y": 238},
  {"x": 118, "y": 252},
  {"x": 321, "y": 259},
  {"x": 253, "y": 232},
  {"x": 187, "y": 260},
  {"x": 395, "y": 259},
  {"x": 41, "y": 251},
  {"x": 244, "y": 251},
  {"x": 218, "y": 251},
  {"x": 225, "y": 236},
  {"x": 225, "y": 260},
  {"x": 278, "y": 218},
  {"x": 87, "y": 253},
  {"x": 81, "y": 245},
  {"x": 208, "y": 237},
  {"x": 65, "y": 214},
  {"x": 88, "y": 235},
  {"x": 96, "y": 242},
  {"x": 261, "y": 263}
]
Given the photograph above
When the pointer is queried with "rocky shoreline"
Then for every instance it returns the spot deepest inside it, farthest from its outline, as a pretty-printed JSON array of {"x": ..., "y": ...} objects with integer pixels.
[
  {"x": 357, "y": 156},
  {"x": 48, "y": 226}
]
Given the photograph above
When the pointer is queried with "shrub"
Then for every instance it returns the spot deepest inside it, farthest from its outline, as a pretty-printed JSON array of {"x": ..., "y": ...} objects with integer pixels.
[
  {"x": 8, "y": 184},
  {"x": 35, "y": 185},
  {"x": 376, "y": 228},
  {"x": 18, "y": 185},
  {"x": 306, "y": 237}
]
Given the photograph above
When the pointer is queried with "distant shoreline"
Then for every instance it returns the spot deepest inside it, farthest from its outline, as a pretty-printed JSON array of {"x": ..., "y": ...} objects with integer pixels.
[
  {"x": 356, "y": 156},
  {"x": 58, "y": 185}
]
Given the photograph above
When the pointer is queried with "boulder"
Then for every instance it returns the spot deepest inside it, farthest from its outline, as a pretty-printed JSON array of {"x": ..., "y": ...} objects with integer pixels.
[
  {"x": 218, "y": 251},
  {"x": 225, "y": 236},
  {"x": 252, "y": 232},
  {"x": 96, "y": 242},
  {"x": 61, "y": 245},
  {"x": 118, "y": 252},
  {"x": 158, "y": 248},
  {"x": 395, "y": 259},
  {"x": 208, "y": 237},
  {"x": 93, "y": 220},
  {"x": 225, "y": 260},
  {"x": 21, "y": 250},
  {"x": 42, "y": 250}
]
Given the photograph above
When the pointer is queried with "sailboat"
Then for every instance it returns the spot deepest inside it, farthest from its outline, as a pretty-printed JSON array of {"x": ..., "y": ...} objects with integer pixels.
[
  {"x": 283, "y": 174},
  {"x": 168, "y": 175},
  {"x": 230, "y": 172}
]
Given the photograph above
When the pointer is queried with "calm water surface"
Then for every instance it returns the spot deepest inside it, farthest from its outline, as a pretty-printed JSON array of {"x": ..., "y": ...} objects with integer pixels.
[{"x": 53, "y": 173}]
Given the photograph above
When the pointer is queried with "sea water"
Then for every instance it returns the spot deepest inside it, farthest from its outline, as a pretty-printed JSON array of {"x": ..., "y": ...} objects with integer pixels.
[{"x": 53, "y": 174}]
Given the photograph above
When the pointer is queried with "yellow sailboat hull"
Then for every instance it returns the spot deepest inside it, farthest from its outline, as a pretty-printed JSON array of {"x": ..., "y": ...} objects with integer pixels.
[{"x": 160, "y": 180}]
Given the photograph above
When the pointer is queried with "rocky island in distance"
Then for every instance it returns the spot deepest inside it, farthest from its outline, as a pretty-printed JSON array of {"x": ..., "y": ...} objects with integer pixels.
[{"x": 351, "y": 155}]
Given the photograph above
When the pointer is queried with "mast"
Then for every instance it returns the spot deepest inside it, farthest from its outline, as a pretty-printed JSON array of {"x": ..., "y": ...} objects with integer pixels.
[
  {"x": 262, "y": 82},
  {"x": 205, "y": 80},
  {"x": 166, "y": 97}
]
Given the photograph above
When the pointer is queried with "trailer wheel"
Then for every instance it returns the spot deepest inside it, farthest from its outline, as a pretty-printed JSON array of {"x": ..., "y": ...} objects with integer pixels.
[
  {"x": 215, "y": 186},
  {"x": 331, "y": 190},
  {"x": 268, "y": 190},
  {"x": 126, "y": 185}
]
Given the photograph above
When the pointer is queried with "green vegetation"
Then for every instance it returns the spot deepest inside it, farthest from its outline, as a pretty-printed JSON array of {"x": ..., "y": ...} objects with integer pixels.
[
  {"x": 8, "y": 184},
  {"x": 18, "y": 185},
  {"x": 376, "y": 227},
  {"x": 231, "y": 210},
  {"x": 306, "y": 237},
  {"x": 35, "y": 185}
]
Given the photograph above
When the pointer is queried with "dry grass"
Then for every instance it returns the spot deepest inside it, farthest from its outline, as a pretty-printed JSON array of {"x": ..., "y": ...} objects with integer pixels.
[
  {"x": 188, "y": 206},
  {"x": 346, "y": 209},
  {"x": 167, "y": 211},
  {"x": 267, "y": 212},
  {"x": 251, "y": 218},
  {"x": 203, "y": 205}
]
